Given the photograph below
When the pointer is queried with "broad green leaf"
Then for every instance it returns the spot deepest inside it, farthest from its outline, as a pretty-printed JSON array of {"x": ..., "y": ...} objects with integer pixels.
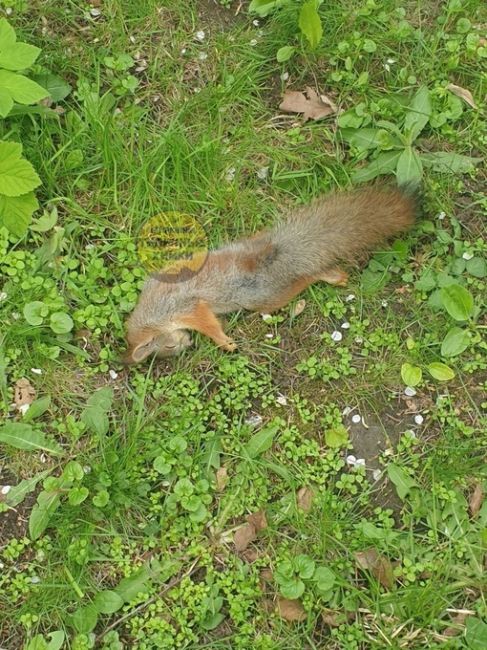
[
  {"x": 102, "y": 398},
  {"x": 18, "y": 492},
  {"x": 265, "y": 7},
  {"x": 457, "y": 301},
  {"x": 84, "y": 619},
  {"x": 108, "y": 602},
  {"x": 310, "y": 23},
  {"x": 261, "y": 441},
  {"x": 476, "y": 633},
  {"x": 35, "y": 312},
  {"x": 18, "y": 56},
  {"x": 325, "y": 578},
  {"x": 161, "y": 465},
  {"x": 285, "y": 53},
  {"x": 6, "y": 102},
  {"x": 409, "y": 169},
  {"x": 16, "y": 212},
  {"x": 449, "y": 163},
  {"x": 37, "y": 642},
  {"x": 440, "y": 371},
  {"x": 77, "y": 495},
  {"x": 455, "y": 342},
  {"x": 476, "y": 267},
  {"x": 385, "y": 163},
  {"x": 418, "y": 114},
  {"x": 427, "y": 281},
  {"x": 129, "y": 588},
  {"x": 336, "y": 437},
  {"x": 292, "y": 588},
  {"x": 56, "y": 640},
  {"x": 368, "y": 138},
  {"x": 305, "y": 566},
  {"x": 411, "y": 375},
  {"x": 96, "y": 419},
  {"x": 402, "y": 481},
  {"x": 47, "y": 221},
  {"x": 22, "y": 89},
  {"x": 101, "y": 499},
  {"x": 7, "y": 34},
  {"x": 56, "y": 86},
  {"x": 17, "y": 175},
  {"x": 23, "y": 436},
  {"x": 72, "y": 472},
  {"x": 47, "y": 503},
  {"x": 37, "y": 408},
  {"x": 61, "y": 323}
]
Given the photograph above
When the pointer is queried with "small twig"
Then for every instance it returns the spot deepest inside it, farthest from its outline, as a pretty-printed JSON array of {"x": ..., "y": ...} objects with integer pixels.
[{"x": 145, "y": 604}]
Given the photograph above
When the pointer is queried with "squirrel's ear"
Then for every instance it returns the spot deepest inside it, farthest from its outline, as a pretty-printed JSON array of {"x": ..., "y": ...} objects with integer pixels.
[{"x": 140, "y": 352}]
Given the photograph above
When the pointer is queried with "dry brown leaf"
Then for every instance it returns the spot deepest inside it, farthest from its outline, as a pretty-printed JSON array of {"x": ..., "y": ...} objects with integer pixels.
[
  {"x": 332, "y": 618},
  {"x": 24, "y": 393},
  {"x": 250, "y": 555},
  {"x": 298, "y": 308},
  {"x": 476, "y": 499},
  {"x": 221, "y": 479},
  {"x": 312, "y": 105},
  {"x": 290, "y": 610},
  {"x": 257, "y": 520},
  {"x": 244, "y": 536},
  {"x": 304, "y": 498},
  {"x": 457, "y": 625},
  {"x": 266, "y": 574},
  {"x": 463, "y": 93},
  {"x": 378, "y": 565}
]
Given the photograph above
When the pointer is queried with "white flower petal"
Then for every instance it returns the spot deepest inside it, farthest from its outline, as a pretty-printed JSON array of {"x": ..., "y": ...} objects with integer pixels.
[
  {"x": 419, "y": 419},
  {"x": 410, "y": 391},
  {"x": 356, "y": 418},
  {"x": 336, "y": 336}
]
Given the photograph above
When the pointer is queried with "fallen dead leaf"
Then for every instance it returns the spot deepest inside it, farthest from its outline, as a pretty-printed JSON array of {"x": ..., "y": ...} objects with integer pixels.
[
  {"x": 266, "y": 574},
  {"x": 244, "y": 536},
  {"x": 257, "y": 520},
  {"x": 298, "y": 308},
  {"x": 463, "y": 93},
  {"x": 476, "y": 499},
  {"x": 378, "y": 565},
  {"x": 290, "y": 610},
  {"x": 250, "y": 555},
  {"x": 332, "y": 618},
  {"x": 312, "y": 105},
  {"x": 221, "y": 479},
  {"x": 24, "y": 393},
  {"x": 457, "y": 625},
  {"x": 304, "y": 498}
]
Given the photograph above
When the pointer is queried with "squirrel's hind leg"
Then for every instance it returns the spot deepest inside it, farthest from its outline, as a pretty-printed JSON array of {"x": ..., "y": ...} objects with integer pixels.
[{"x": 335, "y": 276}]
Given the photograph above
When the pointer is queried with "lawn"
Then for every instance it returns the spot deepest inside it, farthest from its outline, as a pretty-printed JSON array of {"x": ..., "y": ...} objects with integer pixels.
[{"x": 321, "y": 487}]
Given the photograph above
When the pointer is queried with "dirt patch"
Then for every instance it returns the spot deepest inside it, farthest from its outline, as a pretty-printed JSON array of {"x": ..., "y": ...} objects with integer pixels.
[
  {"x": 14, "y": 522},
  {"x": 216, "y": 17}
]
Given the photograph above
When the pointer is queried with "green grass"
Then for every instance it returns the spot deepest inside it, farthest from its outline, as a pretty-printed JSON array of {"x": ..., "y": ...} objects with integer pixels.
[{"x": 179, "y": 453}]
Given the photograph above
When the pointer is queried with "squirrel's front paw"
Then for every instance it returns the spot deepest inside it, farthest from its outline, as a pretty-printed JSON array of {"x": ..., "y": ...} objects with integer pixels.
[{"x": 229, "y": 345}]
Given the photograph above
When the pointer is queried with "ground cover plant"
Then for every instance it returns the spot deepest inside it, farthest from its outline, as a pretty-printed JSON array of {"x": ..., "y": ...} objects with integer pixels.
[{"x": 322, "y": 487}]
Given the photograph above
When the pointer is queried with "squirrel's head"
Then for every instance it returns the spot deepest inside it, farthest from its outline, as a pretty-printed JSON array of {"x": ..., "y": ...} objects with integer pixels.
[{"x": 153, "y": 325}]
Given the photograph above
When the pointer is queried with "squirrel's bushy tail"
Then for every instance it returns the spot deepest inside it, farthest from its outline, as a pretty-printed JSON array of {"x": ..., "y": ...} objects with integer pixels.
[{"x": 344, "y": 226}]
